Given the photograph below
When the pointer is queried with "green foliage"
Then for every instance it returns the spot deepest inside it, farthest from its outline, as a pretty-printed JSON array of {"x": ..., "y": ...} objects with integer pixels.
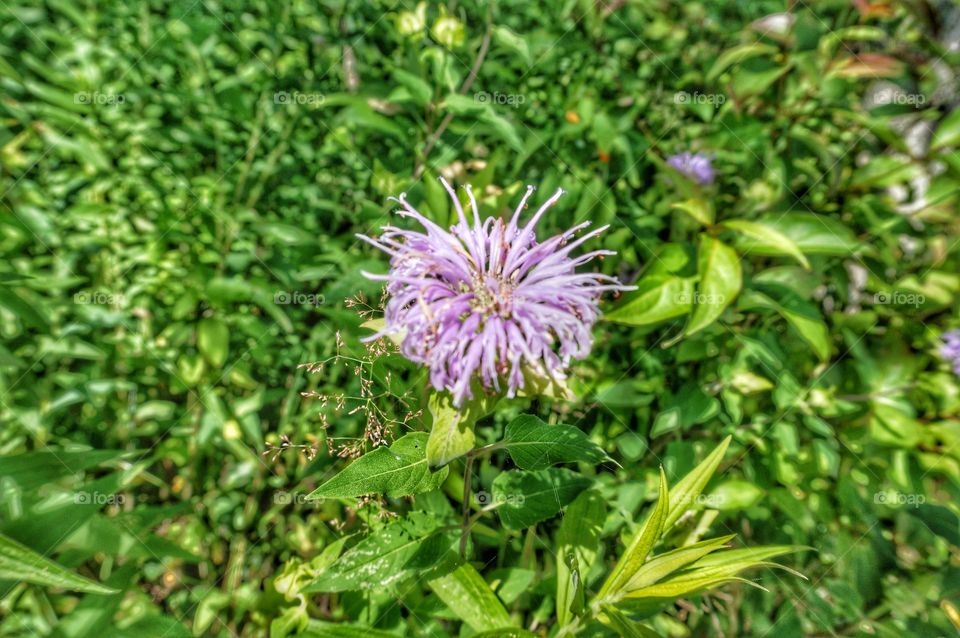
[{"x": 181, "y": 304}]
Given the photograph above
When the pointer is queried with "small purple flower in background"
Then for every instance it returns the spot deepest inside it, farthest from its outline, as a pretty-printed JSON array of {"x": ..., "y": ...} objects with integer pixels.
[
  {"x": 696, "y": 166},
  {"x": 489, "y": 301},
  {"x": 950, "y": 350}
]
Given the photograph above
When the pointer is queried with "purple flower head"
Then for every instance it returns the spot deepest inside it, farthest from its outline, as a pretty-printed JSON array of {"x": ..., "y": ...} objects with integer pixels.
[
  {"x": 488, "y": 301},
  {"x": 696, "y": 166},
  {"x": 950, "y": 350}
]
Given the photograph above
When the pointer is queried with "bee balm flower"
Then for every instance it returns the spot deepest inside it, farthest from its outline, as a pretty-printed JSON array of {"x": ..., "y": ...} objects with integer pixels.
[
  {"x": 488, "y": 301},
  {"x": 696, "y": 166}
]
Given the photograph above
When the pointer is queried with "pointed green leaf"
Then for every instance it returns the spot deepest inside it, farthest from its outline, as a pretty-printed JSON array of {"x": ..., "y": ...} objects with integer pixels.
[
  {"x": 526, "y": 498},
  {"x": 405, "y": 548},
  {"x": 684, "y": 494},
  {"x": 720, "y": 281},
  {"x": 661, "y": 566},
  {"x": 768, "y": 237},
  {"x": 20, "y": 563},
  {"x": 213, "y": 341},
  {"x": 469, "y": 596},
  {"x": 643, "y": 541},
  {"x": 534, "y": 445},
  {"x": 657, "y": 298},
  {"x": 399, "y": 470}
]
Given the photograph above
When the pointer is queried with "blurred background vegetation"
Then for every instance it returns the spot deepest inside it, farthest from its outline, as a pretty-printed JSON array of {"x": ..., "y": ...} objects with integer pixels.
[{"x": 180, "y": 188}]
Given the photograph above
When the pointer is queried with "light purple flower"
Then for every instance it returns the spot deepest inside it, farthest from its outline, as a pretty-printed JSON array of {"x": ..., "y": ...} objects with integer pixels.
[
  {"x": 488, "y": 301},
  {"x": 950, "y": 350},
  {"x": 696, "y": 166}
]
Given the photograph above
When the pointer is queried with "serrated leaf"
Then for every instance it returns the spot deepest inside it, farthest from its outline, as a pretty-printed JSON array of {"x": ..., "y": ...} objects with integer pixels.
[
  {"x": 526, "y": 498},
  {"x": 403, "y": 549},
  {"x": 578, "y": 542},
  {"x": 20, "y": 563},
  {"x": 720, "y": 280},
  {"x": 768, "y": 237},
  {"x": 469, "y": 596},
  {"x": 534, "y": 445},
  {"x": 641, "y": 544},
  {"x": 400, "y": 470}
]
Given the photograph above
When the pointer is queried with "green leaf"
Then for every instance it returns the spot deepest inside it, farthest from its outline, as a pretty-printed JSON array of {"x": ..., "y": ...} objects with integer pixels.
[
  {"x": 465, "y": 592},
  {"x": 768, "y": 237},
  {"x": 451, "y": 434},
  {"x": 720, "y": 281},
  {"x": 534, "y": 445},
  {"x": 733, "y": 561},
  {"x": 734, "y": 496},
  {"x": 948, "y": 131},
  {"x": 684, "y": 494},
  {"x": 643, "y": 541},
  {"x": 661, "y": 566},
  {"x": 698, "y": 209},
  {"x": 400, "y": 470},
  {"x": 737, "y": 55},
  {"x": 405, "y": 548},
  {"x": 578, "y": 543},
  {"x": 33, "y": 469},
  {"x": 657, "y": 298},
  {"x": 213, "y": 341},
  {"x": 20, "y": 563},
  {"x": 802, "y": 315},
  {"x": 526, "y": 498},
  {"x": 811, "y": 234},
  {"x": 323, "y": 629}
]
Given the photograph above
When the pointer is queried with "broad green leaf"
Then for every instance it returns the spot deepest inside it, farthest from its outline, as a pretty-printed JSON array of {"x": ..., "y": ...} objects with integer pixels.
[
  {"x": 662, "y": 565},
  {"x": 420, "y": 90},
  {"x": 734, "y": 496},
  {"x": 451, "y": 433},
  {"x": 699, "y": 210},
  {"x": 406, "y": 548},
  {"x": 400, "y": 470},
  {"x": 684, "y": 494},
  {"x": 720, "y": 281},
  {"x": 20, "y": 563},
  {"x": 811, "y": 234},
  {"x": 656, "y": 299},
  {"x": 213, "y": 341},
  {"x": 643, "y": 541},
  {"x": 465, "y": 592},
  {"x": 526, "y": 498},
  {"x": 534, "y": 445},
  {"x": 802, "y": 315},
  {"x": 768, "y": 237},
  {"x": 578, "y": 542}
]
